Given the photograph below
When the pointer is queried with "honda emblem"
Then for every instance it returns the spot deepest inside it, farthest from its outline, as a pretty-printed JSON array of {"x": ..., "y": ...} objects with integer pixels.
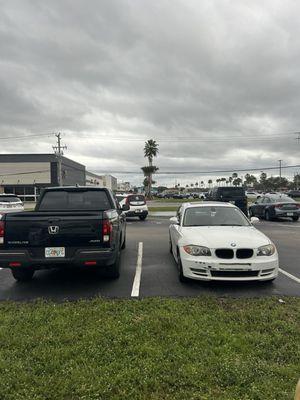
[{"x": 53, "y": 230}]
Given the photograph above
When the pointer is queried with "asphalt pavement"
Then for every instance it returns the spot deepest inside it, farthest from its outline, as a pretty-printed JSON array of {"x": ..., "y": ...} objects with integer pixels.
[{"x": 148, "y": 269}]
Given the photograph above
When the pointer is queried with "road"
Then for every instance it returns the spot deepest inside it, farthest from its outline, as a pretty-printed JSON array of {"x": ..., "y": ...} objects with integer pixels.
[{"x": 157, "y": 274}]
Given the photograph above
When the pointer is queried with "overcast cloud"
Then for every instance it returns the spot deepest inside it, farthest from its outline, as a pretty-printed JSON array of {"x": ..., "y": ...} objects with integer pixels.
[{"x": 133, "y": 70}]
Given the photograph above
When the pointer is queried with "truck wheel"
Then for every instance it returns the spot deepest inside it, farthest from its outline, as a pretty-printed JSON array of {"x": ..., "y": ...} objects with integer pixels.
[
  {"x": 124, "y": 243},
  {"x": 142, "y": 217},
  {"x": 22, "y": 274},
  {"x": 295, "y": 219},
  {"x": 113, "y": 271}
]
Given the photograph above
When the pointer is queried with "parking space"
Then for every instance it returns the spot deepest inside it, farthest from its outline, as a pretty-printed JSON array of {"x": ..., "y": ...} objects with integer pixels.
[{"x": 157, "y": 273}]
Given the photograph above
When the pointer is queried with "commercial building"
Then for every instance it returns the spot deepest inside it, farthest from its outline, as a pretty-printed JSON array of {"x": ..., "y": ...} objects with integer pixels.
[
  {"x": 107, "y": 181},
  {"x": 124, "y": 186},
  {"x": 26, "y": 174}
]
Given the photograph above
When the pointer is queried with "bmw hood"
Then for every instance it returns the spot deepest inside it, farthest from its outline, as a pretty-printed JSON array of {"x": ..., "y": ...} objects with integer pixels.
[{"x": 223, "y": 236}]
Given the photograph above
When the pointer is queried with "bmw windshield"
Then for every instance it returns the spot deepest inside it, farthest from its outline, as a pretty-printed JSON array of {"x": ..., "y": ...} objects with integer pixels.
[{"x": 214, "y": 216}]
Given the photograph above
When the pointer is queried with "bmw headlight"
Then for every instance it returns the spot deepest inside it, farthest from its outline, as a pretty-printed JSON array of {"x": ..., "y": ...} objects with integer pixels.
[
  {"x": 197, "y": 250},
  {"x": 267, "y": 250}
]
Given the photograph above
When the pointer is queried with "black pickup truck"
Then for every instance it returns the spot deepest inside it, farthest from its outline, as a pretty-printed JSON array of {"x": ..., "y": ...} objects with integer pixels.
[{"x": 70, "y": 226}]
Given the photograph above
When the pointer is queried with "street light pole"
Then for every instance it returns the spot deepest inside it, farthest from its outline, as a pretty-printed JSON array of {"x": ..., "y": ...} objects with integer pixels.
[{"x": 280, "y": 161}]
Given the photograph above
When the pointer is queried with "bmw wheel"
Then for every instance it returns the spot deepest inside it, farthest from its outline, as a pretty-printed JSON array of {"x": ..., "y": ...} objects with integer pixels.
[{"x": 182, "y": 278}]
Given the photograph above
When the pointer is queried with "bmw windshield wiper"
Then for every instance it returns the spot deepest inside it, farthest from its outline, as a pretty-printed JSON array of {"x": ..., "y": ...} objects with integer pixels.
[{"x": 229, "y": 225}]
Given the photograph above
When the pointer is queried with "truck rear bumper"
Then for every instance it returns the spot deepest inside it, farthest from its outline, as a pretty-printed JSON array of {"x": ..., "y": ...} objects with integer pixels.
[{"x": 82, "y": 258}]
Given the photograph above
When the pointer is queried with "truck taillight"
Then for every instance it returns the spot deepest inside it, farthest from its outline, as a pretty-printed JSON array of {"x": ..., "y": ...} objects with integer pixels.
[
  {"x": 2, "y": 231},
  {"x": 107, "y": 229},
  {"x": 127, "y": 200}
]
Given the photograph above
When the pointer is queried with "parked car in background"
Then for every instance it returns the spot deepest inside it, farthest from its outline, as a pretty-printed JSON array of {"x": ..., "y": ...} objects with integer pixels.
[
  {"x": 70, "y": 227},
  {"x": 137, "y": 205},
  {"x": 231, "y": 194},
  {"x": 272, "y": 206},
  {"x": 216, "y": 241},
  {"x": 203, "y": 195},
  {"x": 10, "y": 203},
  {"x": 294, "y": 194},
  {"x": 251, "y": 195}
]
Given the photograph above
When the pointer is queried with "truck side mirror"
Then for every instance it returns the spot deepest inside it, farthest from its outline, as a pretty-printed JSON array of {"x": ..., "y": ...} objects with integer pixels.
[{"x": 125, "y": 207}]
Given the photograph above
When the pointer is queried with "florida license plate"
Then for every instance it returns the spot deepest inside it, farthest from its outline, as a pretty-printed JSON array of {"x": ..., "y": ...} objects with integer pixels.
[{"x": 54, "y": 252}]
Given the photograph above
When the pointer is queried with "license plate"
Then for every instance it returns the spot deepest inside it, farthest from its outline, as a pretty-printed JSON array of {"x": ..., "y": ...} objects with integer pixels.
[
  {"x": 54, "y": 252},
  {"x": 289, "y": 214},
  {"x": 138, "y": 211},
  {"x": 232, "y": 202}
]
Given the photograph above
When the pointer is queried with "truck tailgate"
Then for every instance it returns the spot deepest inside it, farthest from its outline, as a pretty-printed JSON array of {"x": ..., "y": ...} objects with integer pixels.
[{"x": 38, "y": 230}]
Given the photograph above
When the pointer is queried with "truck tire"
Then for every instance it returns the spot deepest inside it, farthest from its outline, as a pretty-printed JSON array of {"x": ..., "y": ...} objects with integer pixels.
[
  {"x": 124, "y": 242},
  {"x": 22, "y": 274},
  {"x": 113, "y": 271},
  {"x": 142, "y": 217}
]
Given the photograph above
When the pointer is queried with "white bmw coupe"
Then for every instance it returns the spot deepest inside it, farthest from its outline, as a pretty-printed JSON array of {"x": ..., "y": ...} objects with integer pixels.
[{"x": 216, "y": 241}]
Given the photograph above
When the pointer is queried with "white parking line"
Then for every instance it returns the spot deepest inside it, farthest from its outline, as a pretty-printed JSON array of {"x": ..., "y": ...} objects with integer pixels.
[
  {"x": 289, "y": 275},
  {"x": 289, "y": 225},
  {"x": 137, "y": 279}
]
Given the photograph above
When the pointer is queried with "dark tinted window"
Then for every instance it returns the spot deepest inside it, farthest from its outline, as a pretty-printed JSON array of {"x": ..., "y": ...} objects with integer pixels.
[
  {"x": 9, "y": 199},
  {"x": 136, "y": 198},
  {"x": 77, "y": 200},
  {"x": 232, "y": 192}
]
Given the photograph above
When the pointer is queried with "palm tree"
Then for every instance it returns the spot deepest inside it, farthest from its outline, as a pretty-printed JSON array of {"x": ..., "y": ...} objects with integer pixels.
[
  {"x": 209, "y": 182},
  {"x": 150, "y": 151}
]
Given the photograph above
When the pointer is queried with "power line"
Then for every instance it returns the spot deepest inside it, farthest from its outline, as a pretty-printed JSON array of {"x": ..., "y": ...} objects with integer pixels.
[
  {"x": 213, "y": 139},
  {"x": 25, "y": 136},
  {"x": 26, "y": 173},
  {"x": 203, "y": 172}
]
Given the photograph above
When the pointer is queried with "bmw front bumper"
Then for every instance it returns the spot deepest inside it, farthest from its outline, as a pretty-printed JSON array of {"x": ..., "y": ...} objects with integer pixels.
[{"x": 256, "y": 268}]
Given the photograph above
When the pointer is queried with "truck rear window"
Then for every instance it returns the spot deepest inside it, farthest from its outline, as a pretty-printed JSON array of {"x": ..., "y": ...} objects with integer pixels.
[{"x": 86, "y": 200}]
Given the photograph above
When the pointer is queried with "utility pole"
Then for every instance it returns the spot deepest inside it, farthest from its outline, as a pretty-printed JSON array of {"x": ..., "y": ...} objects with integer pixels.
[
  {"x": 280, "y": 161},
  {"x": 58, "y": 149}
]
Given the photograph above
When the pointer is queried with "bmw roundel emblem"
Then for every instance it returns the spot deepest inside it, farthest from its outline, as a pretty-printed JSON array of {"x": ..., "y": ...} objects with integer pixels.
[{"x": 233, "y": 244}]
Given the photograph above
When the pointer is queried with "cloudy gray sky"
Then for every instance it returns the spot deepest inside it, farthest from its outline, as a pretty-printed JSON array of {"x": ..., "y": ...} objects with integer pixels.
[{"x": 216, "y": 83}]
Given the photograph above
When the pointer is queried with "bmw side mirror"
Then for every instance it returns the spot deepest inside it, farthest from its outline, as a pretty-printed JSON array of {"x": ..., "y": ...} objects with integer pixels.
[
  {"x": 125, "y": 207},
  {"x": 254, "y": 220},
  {"x": 174, "y": 220}
]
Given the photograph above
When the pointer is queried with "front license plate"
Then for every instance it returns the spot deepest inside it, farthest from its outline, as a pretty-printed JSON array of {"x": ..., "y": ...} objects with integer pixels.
[
  {"x": 54, "y": 252},
  {"x": 289, "y": 214},
  {"x": 138, "y": 211}
]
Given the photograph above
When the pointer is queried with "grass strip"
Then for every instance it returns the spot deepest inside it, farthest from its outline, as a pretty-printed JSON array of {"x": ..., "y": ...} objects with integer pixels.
[
  {"x": 174, "y": 349},
  {"x": 157, "y": 209}
]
